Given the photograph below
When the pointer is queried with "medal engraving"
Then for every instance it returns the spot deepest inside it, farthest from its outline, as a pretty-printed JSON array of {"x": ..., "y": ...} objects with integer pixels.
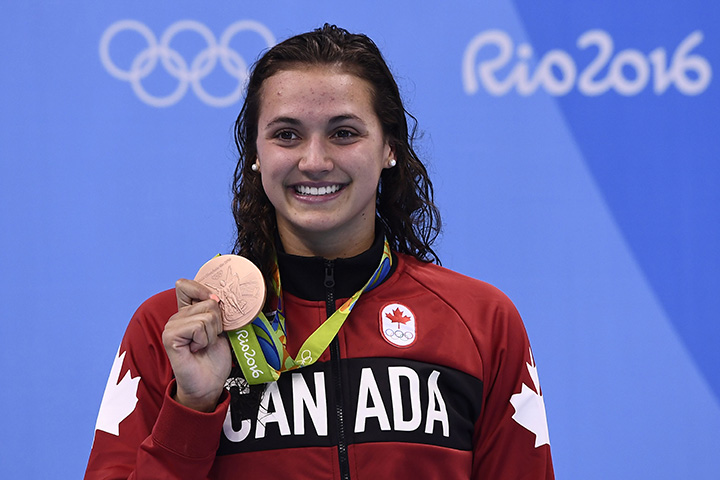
[{"x": 239, "y": 285}]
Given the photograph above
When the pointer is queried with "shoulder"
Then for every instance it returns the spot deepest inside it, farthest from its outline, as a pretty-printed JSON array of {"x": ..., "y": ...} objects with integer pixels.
[
  {"x": 143, "y": 340},
  {"x": 152, "y": 315},
  {"x": 487, "y": 314},
  {"x": 453, "y": 287},
  {"x": 161, "y": 305},
  {"x": 463, "y": 308}
]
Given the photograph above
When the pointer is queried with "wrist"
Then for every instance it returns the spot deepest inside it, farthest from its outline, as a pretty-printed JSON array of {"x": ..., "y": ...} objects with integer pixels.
[{"x": 205, "y": 404}]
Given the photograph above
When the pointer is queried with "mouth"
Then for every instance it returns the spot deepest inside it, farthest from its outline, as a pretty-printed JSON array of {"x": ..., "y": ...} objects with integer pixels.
[{"x": 317, "y": 191}]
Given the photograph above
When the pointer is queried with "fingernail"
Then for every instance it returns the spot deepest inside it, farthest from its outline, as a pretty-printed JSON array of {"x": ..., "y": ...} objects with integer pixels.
[{"x": 215, "y": 297}]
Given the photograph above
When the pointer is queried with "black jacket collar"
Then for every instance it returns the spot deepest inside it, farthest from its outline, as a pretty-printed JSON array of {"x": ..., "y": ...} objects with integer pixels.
[{"x": 304, "y": 277}]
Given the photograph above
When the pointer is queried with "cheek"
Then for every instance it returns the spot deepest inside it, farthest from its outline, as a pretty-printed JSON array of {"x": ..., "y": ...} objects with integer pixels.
[
  {"x": 272, "y": 177},
  {"x": 267, "y": 184}
]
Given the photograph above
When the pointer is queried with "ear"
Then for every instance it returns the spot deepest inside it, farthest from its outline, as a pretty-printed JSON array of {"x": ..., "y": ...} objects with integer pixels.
[{"x": 390, "y": 157}]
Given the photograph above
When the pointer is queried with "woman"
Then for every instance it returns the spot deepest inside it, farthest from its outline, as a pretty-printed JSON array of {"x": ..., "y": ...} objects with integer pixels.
[{"x": 430, "y": 376}]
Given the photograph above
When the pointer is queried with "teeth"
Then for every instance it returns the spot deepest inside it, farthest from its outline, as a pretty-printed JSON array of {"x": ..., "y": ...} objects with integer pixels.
[{"x": 304, "y": 190}]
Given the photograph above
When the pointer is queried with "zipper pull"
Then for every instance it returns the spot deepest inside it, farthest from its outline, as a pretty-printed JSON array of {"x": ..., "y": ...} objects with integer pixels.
[{"x": 329, "y": 274}]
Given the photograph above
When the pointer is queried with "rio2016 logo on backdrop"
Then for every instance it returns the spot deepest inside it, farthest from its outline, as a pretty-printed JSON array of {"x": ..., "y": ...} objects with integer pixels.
[
  {"x": 627, "y": 72},
  {"x": 185, "y": 73}
]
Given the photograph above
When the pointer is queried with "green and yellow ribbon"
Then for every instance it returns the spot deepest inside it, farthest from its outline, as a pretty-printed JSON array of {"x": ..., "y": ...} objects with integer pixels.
[{"x": 260, "y": 346}]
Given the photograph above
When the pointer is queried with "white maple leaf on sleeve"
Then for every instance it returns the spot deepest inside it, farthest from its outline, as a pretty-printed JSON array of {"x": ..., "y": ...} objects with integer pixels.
[
  {"x": 530, "y": 407},
  {"x": 119, "y": 399}
]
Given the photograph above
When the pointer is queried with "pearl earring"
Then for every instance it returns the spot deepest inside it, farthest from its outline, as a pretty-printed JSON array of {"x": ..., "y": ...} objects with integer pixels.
[
  {"x": 255, "y": 167},
  {"x": 392, "y": 162}
]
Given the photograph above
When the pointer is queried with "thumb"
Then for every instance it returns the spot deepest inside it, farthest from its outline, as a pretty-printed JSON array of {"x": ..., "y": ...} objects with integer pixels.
[{"x": 189, "y": 292}]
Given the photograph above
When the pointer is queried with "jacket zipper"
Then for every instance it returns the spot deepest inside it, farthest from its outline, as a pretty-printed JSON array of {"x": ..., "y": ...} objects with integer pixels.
[{"x": 336, "y": 373}]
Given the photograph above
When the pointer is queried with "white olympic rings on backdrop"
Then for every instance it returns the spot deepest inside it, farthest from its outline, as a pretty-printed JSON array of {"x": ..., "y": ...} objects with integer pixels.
[{"x": 174, "y": 63}]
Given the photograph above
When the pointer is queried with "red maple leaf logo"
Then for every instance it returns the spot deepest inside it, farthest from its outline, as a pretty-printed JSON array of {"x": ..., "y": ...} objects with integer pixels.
[{"x": 398, "y": 317}]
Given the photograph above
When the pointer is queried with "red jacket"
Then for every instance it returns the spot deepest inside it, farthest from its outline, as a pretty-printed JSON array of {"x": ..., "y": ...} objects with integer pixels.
[{"x": 431, "y": 377}]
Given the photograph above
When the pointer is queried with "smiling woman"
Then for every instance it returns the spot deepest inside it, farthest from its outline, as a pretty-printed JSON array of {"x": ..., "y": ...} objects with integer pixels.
[
  {"x": 365, "y": 343},
  {"x": 321, "y": 150}
]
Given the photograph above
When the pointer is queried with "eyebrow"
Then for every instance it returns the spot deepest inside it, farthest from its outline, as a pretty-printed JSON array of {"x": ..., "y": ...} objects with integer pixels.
[
  {"x": 295, "y": 122},
  {"x": 284, "y": 121},
  {"x": 342, "y": 118}
]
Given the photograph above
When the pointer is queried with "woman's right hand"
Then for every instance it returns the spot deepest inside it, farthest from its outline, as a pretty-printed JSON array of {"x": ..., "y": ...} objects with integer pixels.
[{"x": 198, "y": 350}]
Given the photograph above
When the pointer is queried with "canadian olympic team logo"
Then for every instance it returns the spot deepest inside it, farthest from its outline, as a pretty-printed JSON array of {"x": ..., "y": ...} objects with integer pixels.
[
  {"x": 190, "y": 72},
  {"x": 628, "y": 72},
  {"x": 397, "y": 324}
]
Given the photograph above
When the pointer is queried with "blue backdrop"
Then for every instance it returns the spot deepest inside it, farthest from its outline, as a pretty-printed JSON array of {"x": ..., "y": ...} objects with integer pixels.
[{"x": 574, "y": 158}]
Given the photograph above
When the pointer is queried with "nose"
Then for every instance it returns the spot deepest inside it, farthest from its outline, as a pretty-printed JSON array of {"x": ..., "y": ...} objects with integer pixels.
[{"x": 315, "y": 158}]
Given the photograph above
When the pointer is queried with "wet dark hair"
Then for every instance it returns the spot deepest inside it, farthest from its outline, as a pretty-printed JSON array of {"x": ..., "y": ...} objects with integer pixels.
[{"x": 405, "y": 194}]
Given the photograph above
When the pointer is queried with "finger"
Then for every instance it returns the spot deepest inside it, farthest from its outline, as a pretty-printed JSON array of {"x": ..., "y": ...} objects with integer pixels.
[
  {"x": 203, "y": 306},
  {"x": 196, "y": 331},
  {"x": 207, "y": 336},
  {"x": 206, "y": 311},
  {"x": 201, "y": 337},
  {"x": 212, "y": 307},
  {"x": 189, "y": 292}
]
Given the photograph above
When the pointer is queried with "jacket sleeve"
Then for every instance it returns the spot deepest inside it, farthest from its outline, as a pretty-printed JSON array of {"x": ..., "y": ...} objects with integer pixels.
[
  {"x": 141, "y": 432},
  {"x": 511, "y": 436}
]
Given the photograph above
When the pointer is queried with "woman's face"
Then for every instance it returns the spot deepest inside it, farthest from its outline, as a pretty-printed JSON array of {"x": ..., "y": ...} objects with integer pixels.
[{"x": 321, "y": 150}]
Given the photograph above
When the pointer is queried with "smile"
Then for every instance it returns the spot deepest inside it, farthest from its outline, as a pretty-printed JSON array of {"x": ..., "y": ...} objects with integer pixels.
[{"x": 317, "y": 191}]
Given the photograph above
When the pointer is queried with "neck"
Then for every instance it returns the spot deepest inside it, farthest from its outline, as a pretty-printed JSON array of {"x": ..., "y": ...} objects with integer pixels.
[{"x": 323, "y": 245}]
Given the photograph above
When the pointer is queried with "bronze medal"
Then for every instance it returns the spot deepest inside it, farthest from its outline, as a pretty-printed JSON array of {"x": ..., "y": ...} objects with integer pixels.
[{"x": 239, "y": 285}]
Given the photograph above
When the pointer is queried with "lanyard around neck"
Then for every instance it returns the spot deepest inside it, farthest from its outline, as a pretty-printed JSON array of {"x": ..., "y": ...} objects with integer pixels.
[{"x": 260, "y": 347}]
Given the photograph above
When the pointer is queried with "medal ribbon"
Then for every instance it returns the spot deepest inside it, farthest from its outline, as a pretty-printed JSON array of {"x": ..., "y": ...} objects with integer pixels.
[{"x": 260, "y": 346}]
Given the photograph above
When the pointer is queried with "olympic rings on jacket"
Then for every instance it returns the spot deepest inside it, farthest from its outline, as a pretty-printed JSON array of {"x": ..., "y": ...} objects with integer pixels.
[{"x": 187, "y": 74}]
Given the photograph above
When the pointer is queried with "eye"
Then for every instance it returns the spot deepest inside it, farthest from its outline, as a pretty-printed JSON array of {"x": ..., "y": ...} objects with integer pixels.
[
  {"x": 344, "y": 134},
  {"x": 286, "y": 135}
]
